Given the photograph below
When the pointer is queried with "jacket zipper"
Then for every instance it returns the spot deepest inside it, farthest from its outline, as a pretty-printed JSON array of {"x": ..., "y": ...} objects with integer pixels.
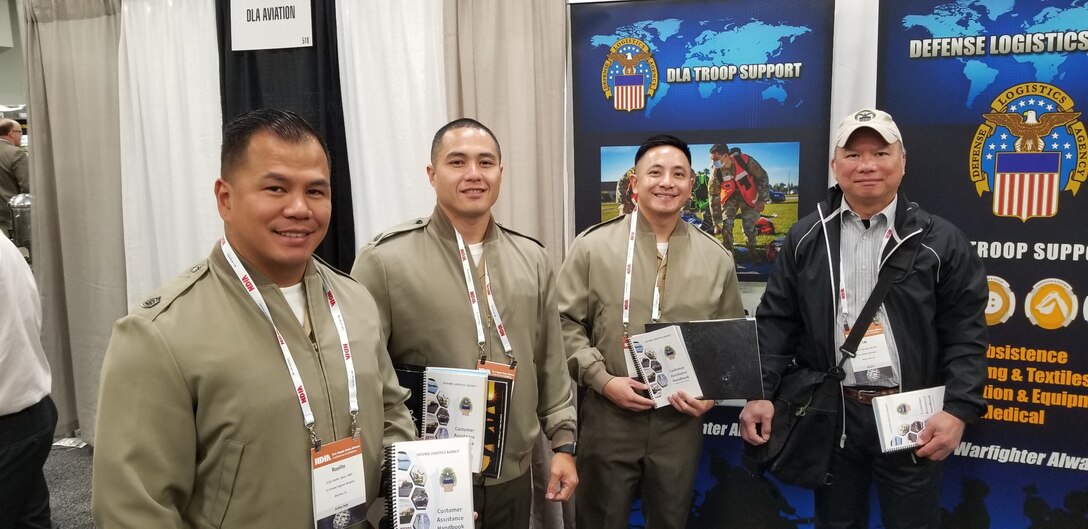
[{"x": 312, "y": 337}]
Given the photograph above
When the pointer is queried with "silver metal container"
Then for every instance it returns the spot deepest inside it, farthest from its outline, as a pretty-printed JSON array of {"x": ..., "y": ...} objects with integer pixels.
[{"x": 20, "y": 206}]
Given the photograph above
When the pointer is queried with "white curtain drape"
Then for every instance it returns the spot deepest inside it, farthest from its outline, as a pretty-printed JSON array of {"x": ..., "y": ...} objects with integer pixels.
[
  {"x": 853, "y": 73},
  {"x": 75, "y": 172},
  {"x": 505, "y": 65},
  {"x": 391, "y": 77},
  {"x": 171, "y": 120}
]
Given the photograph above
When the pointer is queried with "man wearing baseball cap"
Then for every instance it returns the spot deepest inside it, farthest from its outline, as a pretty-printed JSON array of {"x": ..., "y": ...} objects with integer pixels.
[{"x": 929, "y": 331}]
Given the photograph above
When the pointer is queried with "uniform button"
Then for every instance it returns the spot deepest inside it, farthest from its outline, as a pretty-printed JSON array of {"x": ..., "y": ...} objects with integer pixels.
[{"x": 863, "y": 267}]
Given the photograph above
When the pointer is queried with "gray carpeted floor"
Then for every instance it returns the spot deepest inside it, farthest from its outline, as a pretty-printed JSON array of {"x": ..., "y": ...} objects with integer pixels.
[{"x": 68, "y": 472}]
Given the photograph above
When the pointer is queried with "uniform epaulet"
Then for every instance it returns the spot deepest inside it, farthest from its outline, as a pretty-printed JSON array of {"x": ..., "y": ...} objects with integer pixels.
[
  {"x": 605, "y": 223},
  {"x": 519, "y": 234},
  {"x": 413, "y": 224},
  {"x": 333, "y": 268},
  {"x": 711, "y": 237},
  {"x": 165, "y": 295}
]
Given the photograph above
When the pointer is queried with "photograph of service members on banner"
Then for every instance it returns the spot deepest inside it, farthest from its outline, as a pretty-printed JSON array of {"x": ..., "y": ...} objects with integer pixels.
[{"x": 734, "y": 197}]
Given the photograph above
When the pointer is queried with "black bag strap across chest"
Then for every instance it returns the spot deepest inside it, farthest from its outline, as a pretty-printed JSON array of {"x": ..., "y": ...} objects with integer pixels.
[{"x": 899, "y": 263}]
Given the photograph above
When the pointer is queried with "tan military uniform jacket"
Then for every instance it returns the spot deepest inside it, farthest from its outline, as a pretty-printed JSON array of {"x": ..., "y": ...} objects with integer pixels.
[
  {"x": 198, "y": 422},
  {"x": 700, "y": 284},
  {"x": 416, "y": 277}
]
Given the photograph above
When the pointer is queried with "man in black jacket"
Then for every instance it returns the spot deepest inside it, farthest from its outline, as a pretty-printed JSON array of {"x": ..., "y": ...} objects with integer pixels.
[{"x": 929, "y": 331}]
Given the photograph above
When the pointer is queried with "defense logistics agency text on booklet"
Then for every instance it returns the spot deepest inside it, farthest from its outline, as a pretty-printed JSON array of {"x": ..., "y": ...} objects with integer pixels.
[
  {"x": 448, "y": 402},
  {"x": 431, "y": 484},
  {"x": 711, "y": 359},
  {"x": 901, "y": 417}
]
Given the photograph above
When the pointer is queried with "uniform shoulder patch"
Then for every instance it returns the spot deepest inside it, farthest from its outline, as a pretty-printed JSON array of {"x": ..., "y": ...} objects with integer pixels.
[
  {"x": 166, "y": 294},
  {"x": 519, "y": 234},
  {"x": 403, "y": 227}
]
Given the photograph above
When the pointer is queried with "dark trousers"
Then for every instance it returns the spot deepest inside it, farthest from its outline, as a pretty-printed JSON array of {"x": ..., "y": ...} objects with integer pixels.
[
  {"x": 909, "y": 488},
  {"x": 624, "y": 454},
  {"x": 506, "y": 505},
  {"x": 25, "y": 438}
]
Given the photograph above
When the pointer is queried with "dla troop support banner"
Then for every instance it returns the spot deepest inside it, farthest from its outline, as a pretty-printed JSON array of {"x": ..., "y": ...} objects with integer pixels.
[
  {"x": 748, "y": 78},
  {"x": 752, "y": 77},
  {"x": 990, "y": 97}
]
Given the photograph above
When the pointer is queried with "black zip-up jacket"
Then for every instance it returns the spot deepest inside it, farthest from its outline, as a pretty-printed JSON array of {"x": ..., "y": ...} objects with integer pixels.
[{"x": 936, "y": 310}]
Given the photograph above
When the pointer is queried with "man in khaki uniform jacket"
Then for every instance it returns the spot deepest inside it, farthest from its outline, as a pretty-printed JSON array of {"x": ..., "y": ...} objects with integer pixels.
[
  {"x": 199, "y": 422},
  {"x": 627, "y": 447},
  {"x": 417, "y": 278}
]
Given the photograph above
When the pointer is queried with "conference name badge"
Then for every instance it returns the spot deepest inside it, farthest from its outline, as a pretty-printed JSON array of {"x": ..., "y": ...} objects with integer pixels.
[
  {"x": 873, "y": 361},
  {"x": 339, "y": 485}
]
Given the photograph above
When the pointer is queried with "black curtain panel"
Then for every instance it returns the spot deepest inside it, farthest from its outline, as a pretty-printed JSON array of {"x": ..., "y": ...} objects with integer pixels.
[{"x": 305, "y": 81}]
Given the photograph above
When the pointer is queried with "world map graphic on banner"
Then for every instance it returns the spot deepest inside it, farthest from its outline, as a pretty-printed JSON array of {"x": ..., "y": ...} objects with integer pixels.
[
  {"x": 721, "y": 51},
  {"x": 995, "y": 44},
  {"x": 978, "y": 17},
  {"x": 709, "y": 65}
]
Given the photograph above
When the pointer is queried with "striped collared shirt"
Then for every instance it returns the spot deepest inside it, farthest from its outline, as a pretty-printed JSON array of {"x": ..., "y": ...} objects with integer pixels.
[{"x": 859, "y": 255}]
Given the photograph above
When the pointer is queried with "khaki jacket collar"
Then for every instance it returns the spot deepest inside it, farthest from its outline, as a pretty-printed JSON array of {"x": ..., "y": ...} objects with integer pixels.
[
  {"x": 219, "y": 261},
  {"x": 646, "y": 262},
  {"x": 678, "y": 231},
  {"x": 444, "y": 227}
]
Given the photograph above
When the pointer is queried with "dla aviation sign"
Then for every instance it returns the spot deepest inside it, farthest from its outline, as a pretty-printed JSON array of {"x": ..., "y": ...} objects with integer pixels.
[{"x": 270, "y": 24}]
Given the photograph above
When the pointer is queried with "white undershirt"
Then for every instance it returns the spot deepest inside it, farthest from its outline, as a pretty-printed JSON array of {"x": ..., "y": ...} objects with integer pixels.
[
  {"x": 476, "y": 250},
  {"x": 25, "y": 377},
  {"x": 662, "y": 248},
  {"x": 296, "y": 298}
]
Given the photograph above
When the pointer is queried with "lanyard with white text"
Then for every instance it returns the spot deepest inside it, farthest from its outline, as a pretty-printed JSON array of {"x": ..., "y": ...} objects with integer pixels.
[
  {"x": 481, "y": 339},
  {"x": 341, "y": 330},
  {"x": 842, "y": 281},
  {"x": 655, "y": 309}
]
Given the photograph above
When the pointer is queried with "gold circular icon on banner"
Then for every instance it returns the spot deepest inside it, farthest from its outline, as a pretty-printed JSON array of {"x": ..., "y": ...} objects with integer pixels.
[
  {"x": 1051, "y": 304},
  {"x": 1002, "y": 302}
]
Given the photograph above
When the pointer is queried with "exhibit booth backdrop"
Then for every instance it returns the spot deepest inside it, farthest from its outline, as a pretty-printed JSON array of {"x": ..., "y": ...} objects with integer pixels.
[
  {"x": 127, "y": 100},
  {"x": 988, "y": 96}
]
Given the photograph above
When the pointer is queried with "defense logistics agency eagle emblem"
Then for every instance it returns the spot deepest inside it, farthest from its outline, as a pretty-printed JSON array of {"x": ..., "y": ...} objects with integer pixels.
[
  {"x": 1031, "y": 147},
  {"x": 629, "y": 74}
]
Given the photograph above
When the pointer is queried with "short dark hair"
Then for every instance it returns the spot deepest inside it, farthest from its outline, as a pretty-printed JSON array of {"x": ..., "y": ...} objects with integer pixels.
[
  {"x": 662, "y": 140},
  {"x": 461, "y": 123},
  {"x": 283, "y": 124},
  {"x": 719, "y": 148}
]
